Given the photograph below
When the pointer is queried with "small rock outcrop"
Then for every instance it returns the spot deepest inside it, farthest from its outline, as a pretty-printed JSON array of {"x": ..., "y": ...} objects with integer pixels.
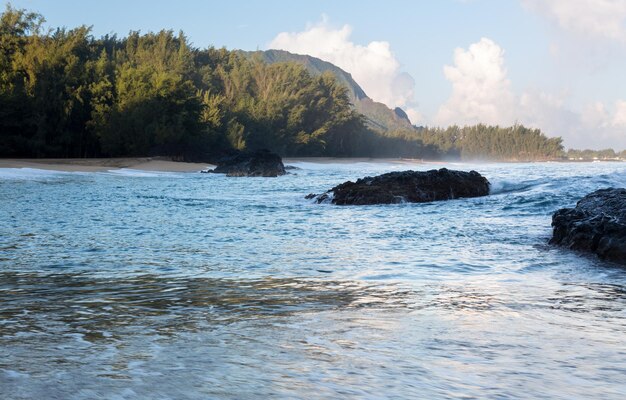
[
  {"x": 597, "y": 224},
  {"x": 407, "y": 187},
  {"x": 257, "y": 163}
]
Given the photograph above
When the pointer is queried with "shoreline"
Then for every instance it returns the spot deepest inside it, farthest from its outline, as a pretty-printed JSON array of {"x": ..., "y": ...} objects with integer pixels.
[
  {"x": 164, "y": 164},
  {"x": 155, "y": 164}
]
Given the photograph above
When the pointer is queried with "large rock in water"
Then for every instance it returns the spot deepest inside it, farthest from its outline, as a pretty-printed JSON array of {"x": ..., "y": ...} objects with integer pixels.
[
  {"x": 597, "y": 224},
  {"x": 257, "y": 163},
  {"x": 407, "y": 187}
]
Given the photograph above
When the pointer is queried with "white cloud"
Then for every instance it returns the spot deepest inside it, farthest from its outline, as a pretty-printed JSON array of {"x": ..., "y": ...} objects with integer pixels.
[
  {"x": 549, "y": 112},
  {"x": 602, "y": 127},
  {"x": 416, "y": 117},
  {"x": 619, "y": 118},
  {"x": 604, "y": 19},
  {"x": 595, "y": 114},
  {"x": 590, "y": 37},
  {"x": 481, "y": 91},
  {"x": 595, "y": 126},
  {"x": 374, "y": 66}
]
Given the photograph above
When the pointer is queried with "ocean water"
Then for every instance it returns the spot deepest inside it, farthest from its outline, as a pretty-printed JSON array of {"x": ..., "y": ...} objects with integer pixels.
[{"x": 131, "y": 284}]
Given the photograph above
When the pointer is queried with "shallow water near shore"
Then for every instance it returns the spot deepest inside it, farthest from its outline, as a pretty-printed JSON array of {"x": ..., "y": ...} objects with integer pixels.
[{"x": 136, "y": 284}]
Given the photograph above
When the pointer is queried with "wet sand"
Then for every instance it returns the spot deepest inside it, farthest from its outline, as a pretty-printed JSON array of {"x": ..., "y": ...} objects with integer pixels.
[{"x": 104, "y": 164}]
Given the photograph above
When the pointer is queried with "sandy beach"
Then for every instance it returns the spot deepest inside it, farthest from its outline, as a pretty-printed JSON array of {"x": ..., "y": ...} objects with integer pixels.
[
  {"x": 104, "y": 164},
  {"x": 161, "y": 164}
]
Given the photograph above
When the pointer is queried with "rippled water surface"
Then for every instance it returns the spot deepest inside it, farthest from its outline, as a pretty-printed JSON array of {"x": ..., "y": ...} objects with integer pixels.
[{"x": 130, "y": 284}]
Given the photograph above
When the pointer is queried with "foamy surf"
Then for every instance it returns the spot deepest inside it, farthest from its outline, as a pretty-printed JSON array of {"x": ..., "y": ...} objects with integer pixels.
[
  {"x": 34, "y": 174},
  {"x": 137, "y": 173}
]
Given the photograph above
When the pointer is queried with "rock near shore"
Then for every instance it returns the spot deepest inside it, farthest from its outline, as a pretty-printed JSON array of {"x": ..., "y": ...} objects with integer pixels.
[
  {"x": 258, "y": 163},
  {"x": 407, "y": 187},
  {"x": 597, "y": 224}
]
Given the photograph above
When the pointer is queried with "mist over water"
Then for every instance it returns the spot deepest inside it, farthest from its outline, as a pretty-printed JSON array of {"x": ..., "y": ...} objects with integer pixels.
[{"x": 132, "y": 284}]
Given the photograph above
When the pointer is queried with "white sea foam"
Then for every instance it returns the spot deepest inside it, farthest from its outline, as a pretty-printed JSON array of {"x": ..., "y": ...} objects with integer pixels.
[
  {"x": 376, "y": 165},
  {"x": 344, "y": 166},
  {"x": 33, "y": 174},
  {"x": 504, "y": 186},
  {"x": 143, "y": 174}
]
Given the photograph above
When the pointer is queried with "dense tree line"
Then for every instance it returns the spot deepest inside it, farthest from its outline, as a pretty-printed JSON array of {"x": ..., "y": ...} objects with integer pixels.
[
  {"x": 605, "y": 154},
  {"x": 515, "y": 143},
  {"x": 64, "y": 93}
]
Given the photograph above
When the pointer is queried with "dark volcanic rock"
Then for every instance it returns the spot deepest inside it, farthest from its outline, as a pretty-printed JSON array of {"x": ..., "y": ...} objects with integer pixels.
[
  {"x": 407, "y": 186},
  {"x": 257, "y": 163},
  {"x": 597, "y": 224}
]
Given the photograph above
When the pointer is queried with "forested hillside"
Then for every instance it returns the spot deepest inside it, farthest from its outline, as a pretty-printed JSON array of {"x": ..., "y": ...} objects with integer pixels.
[
  {"x": 64, "y": 93},
  {"x": 378, "y": 116}
]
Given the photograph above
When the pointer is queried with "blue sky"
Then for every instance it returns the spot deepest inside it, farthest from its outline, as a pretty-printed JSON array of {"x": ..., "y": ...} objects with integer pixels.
[{"x": 553, "y": 64}]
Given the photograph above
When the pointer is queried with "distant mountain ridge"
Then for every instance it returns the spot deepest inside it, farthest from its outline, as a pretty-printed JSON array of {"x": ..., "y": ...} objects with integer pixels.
[{"x": 378, "y": 115}]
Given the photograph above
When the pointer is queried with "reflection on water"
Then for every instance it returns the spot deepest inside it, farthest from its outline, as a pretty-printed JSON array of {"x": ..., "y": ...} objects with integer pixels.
[
  {"x": 98, "y": 308},
  {"x": 198, "y": 337}
]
